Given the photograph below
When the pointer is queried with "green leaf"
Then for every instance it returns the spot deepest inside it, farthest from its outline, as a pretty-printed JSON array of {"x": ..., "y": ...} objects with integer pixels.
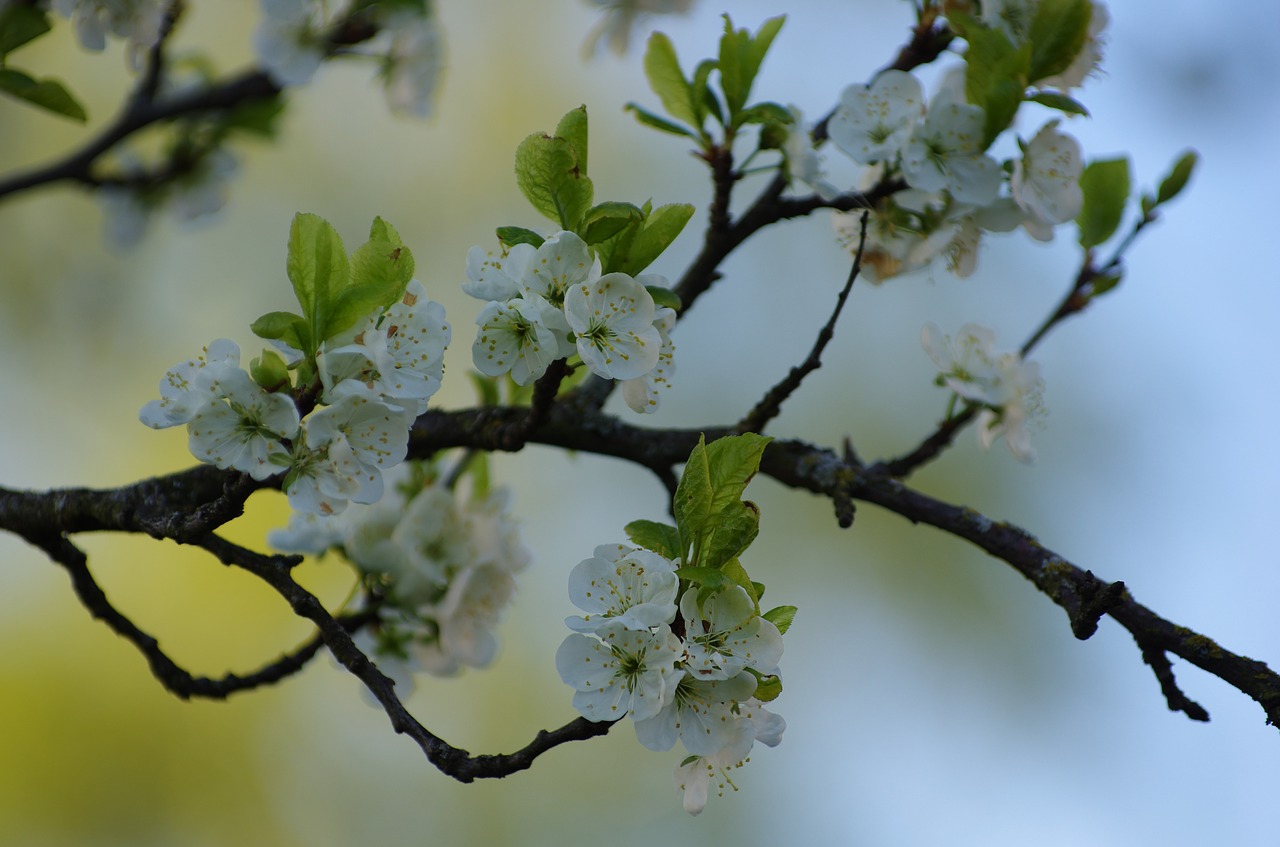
[
  {"x": 1003, "y": 99},
  {"x": 708, "y": 578},
  {"x": 711, "y": 488},
  {"x": 1057, "y": 35},
  {"x": 740, "y": 58},
  {"x": 48, "y": 94},
  {"x": 282, "y": 326},
  {"x": 730, "y": 532},
  {"x": 662, "y": 69},
  {"x": 1103, "y": 283},
  {"x": 513, "y": 235},
  {"x": 759, "y": 587},
  {"x": 989, "y": 49},
  {"x": 270, "y": 371},
  {"x": 1105, "y": 184},
  {"x": 21, "y": 25},
  {"x": 657, "y": 122},
  {"x": 781, "y": 617},
  {"x": 705, "y": 101},
  {"x": 607, "y": 219},
  {"x": 765, "y": 113},
  {"x": 1061, "y": 102},
  {"x": 733, "y": 570},
  {"x": 317, "y": 267},
  {"x": 661, "y": 538},
  {"x": 549, "y": 175},
  {"x": 380, "y": 230},
  {"x": 661, "y": 228},
  {"x": 664, "y": 297},
  {"x": 767, "y": 687},
  {"x": 573, "y": 129},
  {"x": 380, "y": 270},
  {"x": 1171, "y": 186}
]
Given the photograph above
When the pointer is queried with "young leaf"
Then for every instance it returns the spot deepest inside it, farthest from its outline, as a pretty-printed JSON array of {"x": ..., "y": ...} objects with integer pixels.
[
  {"x": 1105, "y": 184},
  {"x": 607, "y": 219},
  {"x": 709, "y": 578},
  {"x": 661, "y": 538},
  {"x": 662, "y": 69},
  {"x": 48, "y": 94},
  {"x": 1172, "y": 185},
  {"x": 549, "y": 175},
  {"x": 661, "y": 228},
  {"x": 740, "y": 58},
  {"x": 712, "y": 485},
  {"x": 573, "y": 129},
  {"x": 1057, "y": 34},
  {"x": 705, "y": 101},
  {"x": 657, "y": 122},
  {"x": 1061, "y": 102},
  {"x": 733, "y": 570},
  {"x": 767, "y": 687},
  {"x": 317, "y": 267},
  {"x": 282, "y": 326},
  {"x": 513, "y": 235},
  {"x": 380, "y": 271},
  {"x": 664, "y": 297},
  {"x": 729, "y": 533},
  {"x": 380, "y": 230},
  {"x": 781, "y": 617}
]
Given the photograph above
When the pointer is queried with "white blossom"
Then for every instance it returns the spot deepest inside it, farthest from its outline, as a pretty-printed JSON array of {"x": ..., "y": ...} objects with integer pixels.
[
  {"x": 1046, "y": 181},
  {"x": 725, "y": 635},
  {"x": 700, "y": 714},
  {"x": 185, "y": 388},
  {"x": 138, "y": 21},
  {"x": 635, "y": 587},
  {"x": 873, "y": 122},
  {"x": 946, "y": 152},
  {"x": 629, "y": 673},
  {"x": 802, "y": 161},
  {"x": 643, "y": 393},
  {"x": 1011, "y": 389},
  {"x": 289, "y": 42},
  {"x": 246, "y": 431},
  {"x": 612, "y": 318},
  {"x": 517, "y": 337},
  {"x": 412, "y": 65}
]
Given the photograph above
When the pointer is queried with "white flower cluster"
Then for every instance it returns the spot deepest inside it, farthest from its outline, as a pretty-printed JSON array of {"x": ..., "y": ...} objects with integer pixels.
[
  {"x": 550, "y": 302},
  {"x": 137, "y": 21},
  {"x": 939, "y": 149},
  {"x": 445, "y": 565},
  {"x": 376, "y": 378},
  {"x": 684, "y": 673},
  {"x": 292, "y": 43},
  {"x": 1010, "y": 388}
]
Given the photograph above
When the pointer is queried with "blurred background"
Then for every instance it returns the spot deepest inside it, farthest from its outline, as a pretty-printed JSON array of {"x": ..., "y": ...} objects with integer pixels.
[{"x": 933, "y": 696}]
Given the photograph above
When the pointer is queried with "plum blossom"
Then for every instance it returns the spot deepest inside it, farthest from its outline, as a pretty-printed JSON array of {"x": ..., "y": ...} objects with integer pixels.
[
  {"x": 138, "y": 21},
  {"x": 620, "y": 16},
  {"x": 873, "y": 122},
  {"x": 643, "y": 393},
  {"x": 725, "y": 635},
  {"x": 413, "y": 61},
  {"x": 802, "y": 161},
  {"x": 1011, "y": 389},
  {"x": 627, "y": 673},
  {"x": 612, "y": 318},
  {"x": 635, "y": 587},
  {"x": 246, "y": 431},
  {"x": 290, "y": 40},
  {"x": 946, "y": 152},
  {"x": 1046, "y": 181}
]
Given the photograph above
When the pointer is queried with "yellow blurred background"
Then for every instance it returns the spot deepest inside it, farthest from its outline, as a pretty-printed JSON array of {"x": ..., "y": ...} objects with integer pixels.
[{"x": 932, "y": 696}]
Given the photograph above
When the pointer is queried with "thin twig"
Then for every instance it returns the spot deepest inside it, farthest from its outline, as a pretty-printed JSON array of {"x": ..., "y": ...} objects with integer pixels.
[{"x": 770, "y": 406}]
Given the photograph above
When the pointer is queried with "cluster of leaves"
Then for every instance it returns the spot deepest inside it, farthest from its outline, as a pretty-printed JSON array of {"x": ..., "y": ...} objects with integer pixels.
[
  {"x": 335, "y": 291},
  {"x": 21, "y": 24},
  {"x": 551, "y": 171},
  {"x": 692, "y": 101},
  {"x": 714, "y": 527}
]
